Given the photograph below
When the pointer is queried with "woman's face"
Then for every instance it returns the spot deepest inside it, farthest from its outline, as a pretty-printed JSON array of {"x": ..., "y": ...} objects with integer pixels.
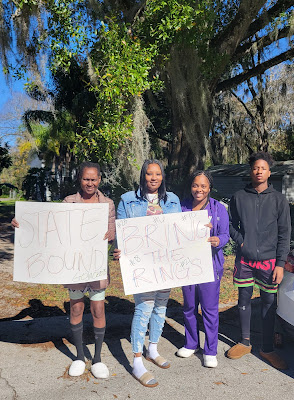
[
  {"x": 200, "y": 188},
  {"x": 90, "y": 181},
  {"x": 153, "y": 178}
]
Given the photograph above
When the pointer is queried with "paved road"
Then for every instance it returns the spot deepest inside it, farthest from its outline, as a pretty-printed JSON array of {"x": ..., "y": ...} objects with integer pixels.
[{"x": 35, "y": 356}]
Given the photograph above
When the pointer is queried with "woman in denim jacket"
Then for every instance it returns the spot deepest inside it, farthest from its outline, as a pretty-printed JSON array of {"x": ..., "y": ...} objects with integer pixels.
[{"x": 150, "y": 307}]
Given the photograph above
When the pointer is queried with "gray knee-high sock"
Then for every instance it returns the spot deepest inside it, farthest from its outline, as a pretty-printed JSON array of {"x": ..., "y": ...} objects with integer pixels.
[
  {"x": 77, "y": 334},
  {"x": 99, "y": 336}
]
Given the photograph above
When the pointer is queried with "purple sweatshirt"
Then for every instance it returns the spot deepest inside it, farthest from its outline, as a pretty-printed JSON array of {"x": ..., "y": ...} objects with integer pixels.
[{"x": 220, "y": 223}]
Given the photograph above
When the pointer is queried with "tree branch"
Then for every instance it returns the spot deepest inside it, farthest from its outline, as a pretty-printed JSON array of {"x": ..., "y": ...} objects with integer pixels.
[
  {"x": 261, "y": 43},
  {"x": 128, "y": 9},
  {"x": 157, "y": 136},
  {"x": 227, "y": 41},
  {"x": 37, "y": 116},
  {"x": 267, "y": 16},
  {"x": 259, "y": 69},
  {"x": 244, "y": 105},
  {"x": 139, "y": 11}
]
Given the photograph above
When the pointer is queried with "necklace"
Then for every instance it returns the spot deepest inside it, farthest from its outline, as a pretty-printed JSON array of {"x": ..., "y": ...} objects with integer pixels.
[
  {"x": 152, "y": 198},
  {"x": 204, "y": 205}
]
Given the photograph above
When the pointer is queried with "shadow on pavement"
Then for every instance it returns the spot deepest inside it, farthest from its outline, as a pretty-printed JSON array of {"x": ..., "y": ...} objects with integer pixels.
[
  {"x": 229, "y": 333},
  {"x": 38, "y": 325},
  {"x": 38, "y": 310},
  {"x": 51, "y": 324},
  {"x": 118, "y": 328}
]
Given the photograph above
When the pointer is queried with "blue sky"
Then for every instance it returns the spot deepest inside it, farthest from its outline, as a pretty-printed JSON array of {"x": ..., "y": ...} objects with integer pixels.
[
  {"x": 13, "y": 103},
  {"x": 6, "y": 93},
  {"x": 6, "y": 90}
]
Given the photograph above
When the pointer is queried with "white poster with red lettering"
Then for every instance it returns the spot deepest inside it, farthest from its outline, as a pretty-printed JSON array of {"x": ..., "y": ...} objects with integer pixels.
[
  {"x": 60, "y": 242},
  {"x": 164, "y": 251}
]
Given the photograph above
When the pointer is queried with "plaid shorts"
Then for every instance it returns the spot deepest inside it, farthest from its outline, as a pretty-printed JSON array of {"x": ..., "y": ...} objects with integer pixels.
[{"x": 258, "y": 273}]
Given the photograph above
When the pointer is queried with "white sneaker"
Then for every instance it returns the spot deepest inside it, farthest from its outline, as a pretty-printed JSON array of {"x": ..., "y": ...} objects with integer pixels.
[
  {"x": 184, "y": 353},
  {"x": 99, "y": 370},
  {"x": 77, "y": 368},
  {"x": 209, "y": 361}
]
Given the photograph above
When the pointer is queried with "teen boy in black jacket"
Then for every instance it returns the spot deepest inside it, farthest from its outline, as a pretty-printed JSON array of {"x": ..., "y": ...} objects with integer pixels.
[{"x": 260, "y": 225}]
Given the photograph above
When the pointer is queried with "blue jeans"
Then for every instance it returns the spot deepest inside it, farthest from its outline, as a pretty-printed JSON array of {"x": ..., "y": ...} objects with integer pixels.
[{"x": 149, "y": 307}]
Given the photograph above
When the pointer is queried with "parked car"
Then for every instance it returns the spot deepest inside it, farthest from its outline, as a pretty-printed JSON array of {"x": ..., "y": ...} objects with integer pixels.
[{"x": 285, "y": 310}]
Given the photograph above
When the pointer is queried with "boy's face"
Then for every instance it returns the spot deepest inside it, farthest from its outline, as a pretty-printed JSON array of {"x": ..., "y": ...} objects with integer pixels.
[{"x": 260, "y": 172}]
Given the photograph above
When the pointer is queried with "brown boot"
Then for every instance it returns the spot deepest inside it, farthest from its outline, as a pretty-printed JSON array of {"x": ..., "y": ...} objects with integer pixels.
[
  {"x": 238, "y": 351},
  {"x": 274, "y": 359}
]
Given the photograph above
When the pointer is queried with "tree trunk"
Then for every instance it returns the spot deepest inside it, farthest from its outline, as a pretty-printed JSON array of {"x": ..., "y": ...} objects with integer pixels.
[{"x": 191, "y": 111}]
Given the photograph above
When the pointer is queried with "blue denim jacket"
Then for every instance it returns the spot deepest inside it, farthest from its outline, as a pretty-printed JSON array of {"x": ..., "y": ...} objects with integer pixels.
[{"x": 132, "y": 205}]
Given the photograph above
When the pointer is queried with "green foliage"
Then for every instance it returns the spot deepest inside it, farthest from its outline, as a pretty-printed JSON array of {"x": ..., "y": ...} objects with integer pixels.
[
  {"x": 284, "y": 146},
  {"x": 38, "y": 180},
  {"x": 61, "y": 190},
  {"x": 67, "y": 32},
  {"x": 122, "y": 61},
  {"x": 121, "y": 67},
  {"x": 230, "y": 248},
  {"x": 34, "y": 184},
  {"x": 124, "y": 57},
  {"x": 7, "y": 210},
  {"x": 64, "y": 33},
  {"x": 181, "y": 23},
  {"x": 55, "y": 132},
  {"x": 5, "y": 158},
  {"x": 4, "y": 190},
  {"x": 20, "y": 156},
  {"x": 51, "y": 139}
]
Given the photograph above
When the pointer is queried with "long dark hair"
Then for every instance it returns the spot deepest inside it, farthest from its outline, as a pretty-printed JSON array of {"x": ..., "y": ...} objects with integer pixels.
[{"x": 143, "y": 186}]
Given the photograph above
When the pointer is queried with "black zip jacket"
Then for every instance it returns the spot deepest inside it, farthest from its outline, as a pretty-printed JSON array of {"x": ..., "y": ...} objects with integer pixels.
[{"x": 261, "y": 221}]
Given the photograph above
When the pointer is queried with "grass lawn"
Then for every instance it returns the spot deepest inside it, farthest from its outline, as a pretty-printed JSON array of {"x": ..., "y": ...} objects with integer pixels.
[
  {"x": 6, "y": 210},
  {"x": 53, "y": 299}
]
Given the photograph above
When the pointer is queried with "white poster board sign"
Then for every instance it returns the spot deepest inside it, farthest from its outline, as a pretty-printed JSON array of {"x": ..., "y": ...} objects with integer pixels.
[
  {"x": 60, "y": 242},
  {"x": 164, "y": 251}
]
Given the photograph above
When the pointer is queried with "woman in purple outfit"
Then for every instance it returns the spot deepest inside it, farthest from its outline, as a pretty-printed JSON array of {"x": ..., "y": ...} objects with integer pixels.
[{"x": 207, "y": 294}]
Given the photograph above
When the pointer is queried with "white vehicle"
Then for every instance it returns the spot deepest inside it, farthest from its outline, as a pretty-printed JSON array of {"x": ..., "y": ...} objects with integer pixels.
[{"x": 285, "y": 308}]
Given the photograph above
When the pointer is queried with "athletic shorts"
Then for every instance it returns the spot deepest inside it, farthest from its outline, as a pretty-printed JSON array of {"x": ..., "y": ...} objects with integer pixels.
[
  {"x": 94, "y": 295},
  {"x": 258, "y": 273}
]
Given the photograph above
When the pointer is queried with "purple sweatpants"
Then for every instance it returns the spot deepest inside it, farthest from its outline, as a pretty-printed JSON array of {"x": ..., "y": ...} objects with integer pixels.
[{"x": 207, "y": 294}]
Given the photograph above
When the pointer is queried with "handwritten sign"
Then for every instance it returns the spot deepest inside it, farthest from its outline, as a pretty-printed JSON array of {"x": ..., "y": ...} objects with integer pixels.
[
  {"x": 60, "y": 242},
  {"x": 164, "y": 251}
]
